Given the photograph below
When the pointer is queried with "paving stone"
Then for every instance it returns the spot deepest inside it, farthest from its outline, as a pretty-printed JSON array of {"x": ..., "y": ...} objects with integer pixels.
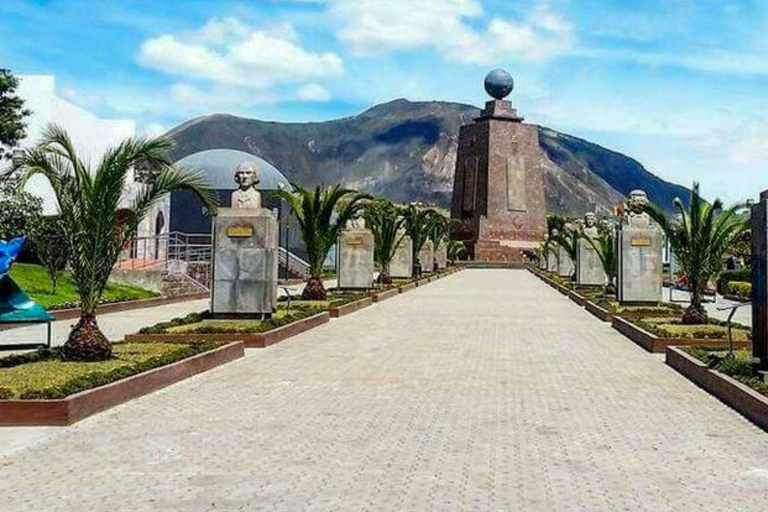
[{"x": 485, "y": 391}]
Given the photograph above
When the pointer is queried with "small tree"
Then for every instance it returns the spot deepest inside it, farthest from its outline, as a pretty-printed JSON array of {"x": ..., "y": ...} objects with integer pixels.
[
  {"x": 700, "y": 240},
  {"x": 418, "y": 221},
  {"x": 52, "y": 247},
  {"x": 385, "y": 221},
  {"x": 456, "y": 250},
  {"x": 315, "y": 212},
  {"x": 438, "y": 233},
  {"x": 20, "y": 212},
  {"x": 12, "y": 114},
  {"x": 89, "y": 203}
]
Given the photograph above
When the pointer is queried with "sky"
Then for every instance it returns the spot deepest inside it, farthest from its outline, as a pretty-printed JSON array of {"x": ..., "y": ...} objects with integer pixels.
[{"x": 679, "y": 85}]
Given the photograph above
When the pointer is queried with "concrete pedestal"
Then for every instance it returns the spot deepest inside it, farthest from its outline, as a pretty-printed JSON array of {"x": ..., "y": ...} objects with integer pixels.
[
  {"x": 401, "y": 266},
  {"x": 589, "y": 268},
  {"x": 640, "y": 265},
  {"x": 244, "y": 280},
  {"x": 427, "y": 257},
  {"x": 565, "y": 267},
  {"x": 354, "y": 259},
  {"x": 441, "y": 256}
]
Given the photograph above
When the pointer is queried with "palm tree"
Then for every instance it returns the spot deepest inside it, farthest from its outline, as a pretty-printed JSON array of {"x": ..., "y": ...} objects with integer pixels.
[
  {"x": 418, "y": 223},
  {"x": 605, "y": 248},
  {"x": 385, "y": 220},
  {"x": 441, "y": 226},
  {"x": 89, "y": 201},
  {"x": 456, "y": 249},
  {"x": 321, "y": 215},
  {"x": 700, "y": 239}
]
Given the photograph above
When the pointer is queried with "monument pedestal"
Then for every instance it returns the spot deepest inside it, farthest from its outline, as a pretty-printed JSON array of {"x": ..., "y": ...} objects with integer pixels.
[
  {"x": 427, "y": 257},
  {"x": 589, "y": 268},
  {"x": 441, "y": 255},
  {"x": 354, "y": 259},
  {"x": 639, "y": 266},
  {"x": 498, "y": 192},
  {"x": 552, "y": 259},
  {"x": 759, "y": 225},
  {"x": 565, "y": 267},
  {"x": 244, "y": 280},
  {"x": 401, "y": 266}
]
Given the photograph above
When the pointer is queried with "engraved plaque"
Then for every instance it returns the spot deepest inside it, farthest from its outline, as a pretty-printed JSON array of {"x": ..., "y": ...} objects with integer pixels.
[
  {"x": 516, "y": 196},
  {"x": 241, "y": 231},
  {"x": 640, "y": 242}
]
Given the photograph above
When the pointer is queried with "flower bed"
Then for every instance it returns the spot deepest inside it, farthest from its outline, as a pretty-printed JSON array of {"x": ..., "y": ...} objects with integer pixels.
[
  {"x": 253, "y": 333},
  {"x": 655, "y": 334},
  {"x": 733, "y": 380},
  {"x": 40, "y": 389}
]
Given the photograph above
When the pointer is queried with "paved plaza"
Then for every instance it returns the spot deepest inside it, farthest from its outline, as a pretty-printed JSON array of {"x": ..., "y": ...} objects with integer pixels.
[{"x": 484, "y": 391}]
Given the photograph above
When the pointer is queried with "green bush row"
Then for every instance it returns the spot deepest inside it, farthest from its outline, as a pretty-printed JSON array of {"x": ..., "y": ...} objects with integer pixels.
[
  {"x": 743, "y": 275},
  {"x": 739, "y": 289}
]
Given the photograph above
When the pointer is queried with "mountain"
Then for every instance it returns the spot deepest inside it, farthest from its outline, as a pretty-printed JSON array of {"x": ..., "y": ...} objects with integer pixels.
[{"x": 406, "y": 151}]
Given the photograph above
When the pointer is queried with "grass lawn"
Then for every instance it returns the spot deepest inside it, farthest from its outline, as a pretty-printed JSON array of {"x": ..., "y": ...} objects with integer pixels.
[
  {"x": 667, "y": 327},
  {"x": 44, "y": 375},
  {"x": 33, "y": 279}
]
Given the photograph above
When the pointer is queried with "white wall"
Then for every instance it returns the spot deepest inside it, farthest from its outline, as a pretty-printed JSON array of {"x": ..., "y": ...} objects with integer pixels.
[{"x": 91, "y": 135}]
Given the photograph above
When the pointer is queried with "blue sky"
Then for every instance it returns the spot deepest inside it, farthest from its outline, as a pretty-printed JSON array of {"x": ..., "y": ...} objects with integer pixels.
[{"x": 680, "y": 85}]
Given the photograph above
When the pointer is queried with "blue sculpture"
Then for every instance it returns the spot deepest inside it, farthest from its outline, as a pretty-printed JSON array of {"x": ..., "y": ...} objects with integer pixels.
[
  {"x": 498, "y": 84},
  {"x": 9, "y": 251},
  {"x": 16, "y": 307}
]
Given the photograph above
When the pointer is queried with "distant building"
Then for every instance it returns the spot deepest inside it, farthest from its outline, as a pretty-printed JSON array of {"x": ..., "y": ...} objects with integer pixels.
[{"x": 92, "y": 137}]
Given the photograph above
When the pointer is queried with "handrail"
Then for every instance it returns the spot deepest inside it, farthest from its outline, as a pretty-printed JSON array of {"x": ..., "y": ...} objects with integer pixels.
[{"x": 730, "y": 320}]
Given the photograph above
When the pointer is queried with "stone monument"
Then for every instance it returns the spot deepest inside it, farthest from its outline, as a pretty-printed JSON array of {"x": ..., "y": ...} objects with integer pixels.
[
  {"x": 244, "y": 281},
  {"x": 401, "y": 266},
  {"x": 565, "y": 266},
  {"x": 441, "y": 255},
  {"x": 498, "y": 190},
  {"x": 759, "y": 225},
  {"x": 354, "y": 256},
  {"x": 639, "y": 254},
  {"x": 589, "y": 268},
  {"x": 427, "y": 257}
]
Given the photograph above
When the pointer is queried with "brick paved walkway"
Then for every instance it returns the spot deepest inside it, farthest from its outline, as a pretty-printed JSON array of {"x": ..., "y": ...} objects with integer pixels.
[{"x": 484, "y": 391}]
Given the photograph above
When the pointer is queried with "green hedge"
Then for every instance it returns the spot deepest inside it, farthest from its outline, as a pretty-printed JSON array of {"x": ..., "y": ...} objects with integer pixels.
[
  {"x": 742, "y": 275},
  {"x": 739, "y": 289}
]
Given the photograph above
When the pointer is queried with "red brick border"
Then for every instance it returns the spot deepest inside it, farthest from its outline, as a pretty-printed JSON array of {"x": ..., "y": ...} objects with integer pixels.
[
  {"x": 128, "y": 305},
  {"x": 386, "y": 294},
  {"x": 601, "y": 313},
  {"x": 742, "y": 398},
  {"x": 255, "y": 340},
  {"x": 74, "y": 408},
  {"x": 658, "y": 345},
  {"x": 351, "y": 307}
]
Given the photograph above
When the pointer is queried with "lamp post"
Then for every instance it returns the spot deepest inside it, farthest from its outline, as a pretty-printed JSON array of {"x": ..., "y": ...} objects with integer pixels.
[{"x": 280, "y": 186}]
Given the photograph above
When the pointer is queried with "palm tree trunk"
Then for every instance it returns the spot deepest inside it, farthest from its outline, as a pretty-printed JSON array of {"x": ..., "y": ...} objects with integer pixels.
[
  {"x": 695, "y": 314},
  {"x": 86, "y": 342},
  {"x": 314, "y": 289}
]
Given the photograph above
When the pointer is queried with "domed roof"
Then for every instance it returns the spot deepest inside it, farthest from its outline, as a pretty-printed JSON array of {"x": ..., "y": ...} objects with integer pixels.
[{"x": 219, "y": 166}]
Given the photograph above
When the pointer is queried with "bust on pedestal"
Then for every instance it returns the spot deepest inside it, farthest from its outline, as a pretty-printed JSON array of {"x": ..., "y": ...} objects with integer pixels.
[
  {"x": 401, "y": 266},
  {"x": 427, "y": 257},
  {"x": 589, "y": 268},
  {"x": 640, "y": 264},
  {"x": 354, "y": 256},
  {"x": 244, "y": 280}
]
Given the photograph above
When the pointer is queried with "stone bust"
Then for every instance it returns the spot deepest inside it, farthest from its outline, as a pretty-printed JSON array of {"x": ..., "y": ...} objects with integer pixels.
[
  {"x": 247, "y": 176},
  {"x": 590, "y": 225},
  {"x": 635, "y": 216},
  {"x": 356, "y": 223}
]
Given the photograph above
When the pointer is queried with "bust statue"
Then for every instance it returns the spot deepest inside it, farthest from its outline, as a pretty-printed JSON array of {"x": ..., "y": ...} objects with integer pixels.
[
  {"x": 356, "y": 223},
  {"x": 590, "y": 225},
  {"x": 635, "y": 215},
  {"x": 247, "y": 176}
]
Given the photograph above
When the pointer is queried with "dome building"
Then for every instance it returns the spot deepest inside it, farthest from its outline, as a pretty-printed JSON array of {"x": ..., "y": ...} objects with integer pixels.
[{"x": 218, "y": 166}]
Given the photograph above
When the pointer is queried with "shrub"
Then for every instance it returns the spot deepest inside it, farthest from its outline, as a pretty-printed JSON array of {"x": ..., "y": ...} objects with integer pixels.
[
  {"x": 739, "y": 289},
  {"x": 743, "y": 275}
]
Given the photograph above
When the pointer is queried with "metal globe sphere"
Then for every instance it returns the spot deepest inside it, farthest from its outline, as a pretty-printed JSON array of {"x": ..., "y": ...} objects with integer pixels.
[{"x": 499, "y": 83}]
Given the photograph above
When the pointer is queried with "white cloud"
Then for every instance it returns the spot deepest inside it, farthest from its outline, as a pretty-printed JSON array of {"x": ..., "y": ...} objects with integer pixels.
[
  {"x": 153, "y": 130},
  {"x": 228, "y": 52},
  {"x": 313, "y": 92},
  {"x": 450, "y": 26}
]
